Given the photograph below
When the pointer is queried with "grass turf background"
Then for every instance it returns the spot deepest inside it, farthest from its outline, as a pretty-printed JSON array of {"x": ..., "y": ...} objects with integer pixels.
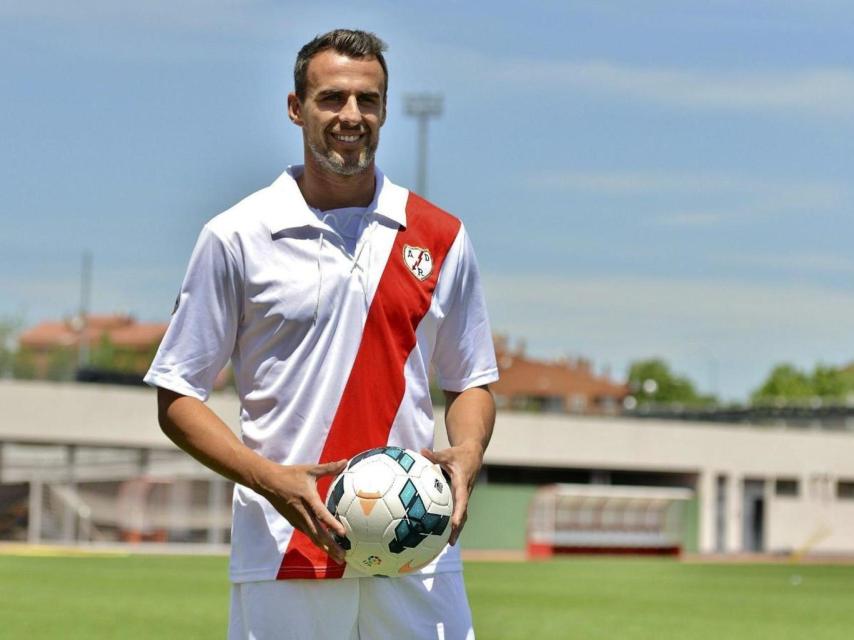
[{"x": 185, "y": 597}]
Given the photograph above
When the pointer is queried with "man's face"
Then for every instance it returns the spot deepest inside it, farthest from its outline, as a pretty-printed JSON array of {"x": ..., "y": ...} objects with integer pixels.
[{"x": 342, "y": 112}]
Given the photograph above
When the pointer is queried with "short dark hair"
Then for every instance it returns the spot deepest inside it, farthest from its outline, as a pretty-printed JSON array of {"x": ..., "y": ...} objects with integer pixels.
[{"x": 349, "y": 42}]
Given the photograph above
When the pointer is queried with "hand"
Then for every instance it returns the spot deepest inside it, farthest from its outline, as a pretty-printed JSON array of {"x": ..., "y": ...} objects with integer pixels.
[
  {"x": 462, "y": 463},
  {"x": 292, "y": 490}
]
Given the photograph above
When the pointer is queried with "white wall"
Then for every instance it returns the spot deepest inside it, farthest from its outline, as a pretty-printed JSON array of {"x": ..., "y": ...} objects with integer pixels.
[
  {"x": 99, "y": 415},
  {"x": 816, "y": 521}
]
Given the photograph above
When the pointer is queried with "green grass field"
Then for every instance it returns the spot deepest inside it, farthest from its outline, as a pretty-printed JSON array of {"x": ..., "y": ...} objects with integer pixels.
[{"x": 187, "y": 597}]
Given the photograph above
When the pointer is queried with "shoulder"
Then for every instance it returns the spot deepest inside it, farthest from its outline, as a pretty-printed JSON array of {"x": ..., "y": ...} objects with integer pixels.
[
  {"x": 428, "y": 219},
  {"x": 246, "y": 222},
  {"x": 420, "y": 207},
  {"x": 417, "y": 212},
  {"x": 243, "y": 217}
]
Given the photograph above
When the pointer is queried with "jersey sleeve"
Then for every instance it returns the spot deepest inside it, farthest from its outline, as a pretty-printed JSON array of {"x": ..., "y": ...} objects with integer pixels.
[
  {"x": 464, "y": 355},
  {"x": 203, "y": 330}
]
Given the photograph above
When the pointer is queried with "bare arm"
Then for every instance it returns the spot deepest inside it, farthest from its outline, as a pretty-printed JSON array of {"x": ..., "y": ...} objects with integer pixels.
[
  {"x": 291, "y": 489},
  {"x": 469, "y": 420}
]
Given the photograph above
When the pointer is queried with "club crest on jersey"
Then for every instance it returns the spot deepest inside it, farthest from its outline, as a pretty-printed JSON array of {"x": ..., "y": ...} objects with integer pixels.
[{"x": 419, "y": 261}]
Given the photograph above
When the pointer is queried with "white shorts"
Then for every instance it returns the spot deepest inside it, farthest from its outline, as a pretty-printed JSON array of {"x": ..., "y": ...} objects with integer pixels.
[{"x": 412, "y": 607}]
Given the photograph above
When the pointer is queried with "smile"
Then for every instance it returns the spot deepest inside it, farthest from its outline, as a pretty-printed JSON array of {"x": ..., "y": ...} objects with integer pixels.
[{"x": 343, "y": 138}]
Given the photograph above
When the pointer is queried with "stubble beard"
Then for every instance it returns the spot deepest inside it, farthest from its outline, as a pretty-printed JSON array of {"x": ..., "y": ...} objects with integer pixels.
[{"x": 339, "y": 165}]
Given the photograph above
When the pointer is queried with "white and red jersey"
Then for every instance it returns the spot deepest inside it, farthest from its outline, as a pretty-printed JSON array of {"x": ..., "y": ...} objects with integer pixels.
[{"x": 331, "y": 349}]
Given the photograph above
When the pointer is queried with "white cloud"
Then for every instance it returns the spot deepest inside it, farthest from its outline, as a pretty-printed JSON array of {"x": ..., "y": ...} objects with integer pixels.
[
  {"x": 742, "y": 328},
  {"x": 638, "y": 182},
  {"x": 822, "y": 91},
  {"x": 635, "y": 182},
  {"x": 817, "y": 91},
  {"x": 744, "y": 196},
  {"x": 792, "y": 262},
  {"x": 194, "y": 14}
]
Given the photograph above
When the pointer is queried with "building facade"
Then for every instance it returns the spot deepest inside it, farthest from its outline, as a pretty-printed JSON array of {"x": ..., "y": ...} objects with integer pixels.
[{"x": 757, "y": 489}]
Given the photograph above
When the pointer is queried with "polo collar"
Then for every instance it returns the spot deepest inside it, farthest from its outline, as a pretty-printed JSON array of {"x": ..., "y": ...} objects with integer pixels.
[{"x": 290, "y": 211}]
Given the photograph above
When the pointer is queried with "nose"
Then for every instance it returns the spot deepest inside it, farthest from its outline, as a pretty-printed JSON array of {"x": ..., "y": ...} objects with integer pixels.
[{"x": 350, "y": 113}]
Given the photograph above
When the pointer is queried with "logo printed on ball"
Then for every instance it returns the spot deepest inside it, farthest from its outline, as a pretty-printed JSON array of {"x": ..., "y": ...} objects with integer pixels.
[{"x": 372, "y": 561}]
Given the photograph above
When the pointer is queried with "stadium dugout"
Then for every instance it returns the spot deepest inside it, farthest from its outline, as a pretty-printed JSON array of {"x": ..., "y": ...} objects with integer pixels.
[{"x": 88, "y": 463}]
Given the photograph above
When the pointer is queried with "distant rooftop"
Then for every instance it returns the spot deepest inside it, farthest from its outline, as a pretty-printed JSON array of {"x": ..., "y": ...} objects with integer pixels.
[
  {"x": 122, "y": 330},
  {"x": 566, "y": 385}
]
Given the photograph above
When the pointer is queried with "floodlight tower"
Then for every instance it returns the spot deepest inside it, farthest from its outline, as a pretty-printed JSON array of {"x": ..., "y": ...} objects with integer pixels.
[
  {"x": 85, "y": 300},
  {"x": 423, "y": 106}
]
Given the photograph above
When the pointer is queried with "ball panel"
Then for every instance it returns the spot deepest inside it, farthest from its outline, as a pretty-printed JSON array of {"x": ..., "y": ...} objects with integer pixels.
[
  {"x": 407, "y": 494},
  {"x": 377, "y": 519},
  {"x": 361, "y": 456},
  {"x": 435, "y": 486},
  {"x": 401, "y": 456},
  {"x": 417, "y": 509},
  {"x": 392, "y": 499},
  {"x": 336, "y": 491},
  {"x": 344, "y": 541},
  {"x": 373, "y": 479},
  {"x": 369, "y": 518},
  {"x": 346, "y": 496}
]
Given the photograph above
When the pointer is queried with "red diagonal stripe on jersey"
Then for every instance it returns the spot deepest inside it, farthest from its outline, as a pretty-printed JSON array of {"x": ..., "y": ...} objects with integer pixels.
[{"x": 375, "y": 388}]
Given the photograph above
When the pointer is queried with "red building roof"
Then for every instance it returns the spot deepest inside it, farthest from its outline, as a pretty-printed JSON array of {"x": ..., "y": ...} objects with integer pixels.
[
  {"x": 571, "y": 381},
  {"x": 121, "y": 330}
]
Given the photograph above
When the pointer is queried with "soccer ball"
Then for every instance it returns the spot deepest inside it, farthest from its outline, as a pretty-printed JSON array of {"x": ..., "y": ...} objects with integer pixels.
[{"x": 396, "y": 506}]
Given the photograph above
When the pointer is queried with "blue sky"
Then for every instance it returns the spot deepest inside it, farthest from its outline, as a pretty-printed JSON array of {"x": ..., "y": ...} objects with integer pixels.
[{"x": 672, "y": 179}]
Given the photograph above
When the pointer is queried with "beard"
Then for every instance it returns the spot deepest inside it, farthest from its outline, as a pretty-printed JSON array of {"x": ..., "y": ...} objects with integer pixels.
[{"x": 343, "y": 166}]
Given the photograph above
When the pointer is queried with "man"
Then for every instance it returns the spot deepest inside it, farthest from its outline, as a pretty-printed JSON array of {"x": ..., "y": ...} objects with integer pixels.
[{"x": 332, "y": 292}]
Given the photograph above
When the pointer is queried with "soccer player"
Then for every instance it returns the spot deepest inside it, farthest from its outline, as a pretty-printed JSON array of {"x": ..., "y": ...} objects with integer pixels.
[{"x": 333, "y": 291}]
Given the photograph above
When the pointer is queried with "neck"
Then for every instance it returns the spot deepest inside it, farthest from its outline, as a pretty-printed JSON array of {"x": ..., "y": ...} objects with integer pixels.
[{"x": 325, "y": 190}]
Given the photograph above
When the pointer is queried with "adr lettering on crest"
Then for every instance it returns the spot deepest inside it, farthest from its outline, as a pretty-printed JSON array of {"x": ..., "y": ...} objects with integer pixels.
[{"x": 419, "y": 261}]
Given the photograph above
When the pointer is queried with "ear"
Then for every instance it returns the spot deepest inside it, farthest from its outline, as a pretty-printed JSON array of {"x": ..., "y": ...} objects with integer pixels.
[{"x": 295, "y": 109}]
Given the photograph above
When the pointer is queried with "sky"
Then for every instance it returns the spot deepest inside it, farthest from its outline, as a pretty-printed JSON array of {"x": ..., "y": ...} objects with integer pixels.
[{"x": 661, "y": 179}]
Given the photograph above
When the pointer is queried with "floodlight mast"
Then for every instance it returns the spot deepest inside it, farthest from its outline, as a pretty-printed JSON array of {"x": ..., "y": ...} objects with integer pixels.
[
  {"x": 83, "y": 353},
  {"x": 422, "y": 106}
]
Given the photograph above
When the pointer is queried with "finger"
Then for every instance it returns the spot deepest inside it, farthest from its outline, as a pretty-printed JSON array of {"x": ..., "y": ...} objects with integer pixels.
[
  {"x": 326, "y": 518},
  {"x": 328, "y": 468},
  {"x": 436, "y": 457},
  {"x": 443, "y": 460},
  {"x": 326, "y": 542},
  {"x": 303, "y": 521},
  {"x": 318, "y": 534},
  {"x": 429, "y": 454},
  {"x": 461, "y": 499},
  {"x": 455, "y": 531}
]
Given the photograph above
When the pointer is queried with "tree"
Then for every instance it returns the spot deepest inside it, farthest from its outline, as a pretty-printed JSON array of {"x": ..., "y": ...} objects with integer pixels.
[
  {"x": 9, "y": 327},
  {"x": 829, "y": 383},
  {"x": 106, "y": 356},
  {"x": 652, "y": 382},
  {"x": 787, "y": 383},
  {"x": 61, "y": 364},
  {"x": 103, "y": 356},
  {"x": 24, "y": 365}
]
